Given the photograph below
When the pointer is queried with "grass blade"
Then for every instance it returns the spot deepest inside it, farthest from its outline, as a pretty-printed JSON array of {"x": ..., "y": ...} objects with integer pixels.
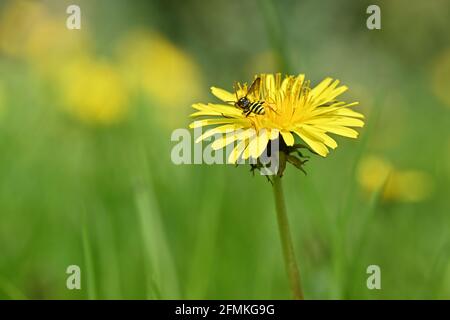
[{"x": 88, "y": 261}]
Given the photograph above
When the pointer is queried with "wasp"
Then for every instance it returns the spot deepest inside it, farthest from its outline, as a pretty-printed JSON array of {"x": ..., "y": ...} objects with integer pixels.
[{"x": 247, "y": 106}]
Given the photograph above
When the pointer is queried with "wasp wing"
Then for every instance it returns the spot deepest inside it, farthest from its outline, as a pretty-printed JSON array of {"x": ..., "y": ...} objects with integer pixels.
[{"x": 254, "y": 87}]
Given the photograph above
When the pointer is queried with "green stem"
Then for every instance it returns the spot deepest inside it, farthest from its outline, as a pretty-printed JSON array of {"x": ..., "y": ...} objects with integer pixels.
[{"x": 286, "y": 240}]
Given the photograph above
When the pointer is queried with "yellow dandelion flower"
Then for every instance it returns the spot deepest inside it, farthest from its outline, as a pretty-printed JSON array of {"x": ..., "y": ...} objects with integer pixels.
[
  {"x": 17, "y": 20},
  {"x": 48, "y": 45},
  {"x": 150, "y": 61},
  {"x": 373, "y": 172},
  {"x": 409, "y": 186},
  {"x": 28, "y": 30},
  {"x": 290, "y": 109},
  {"x": 162, "y": 71},
  {"x": 378, "y": 174},
  {"x": 93, "y": 91}
]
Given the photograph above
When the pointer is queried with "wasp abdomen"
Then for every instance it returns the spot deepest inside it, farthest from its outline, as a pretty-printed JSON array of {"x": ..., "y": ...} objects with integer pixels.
[{"x": 256, "y": 107}]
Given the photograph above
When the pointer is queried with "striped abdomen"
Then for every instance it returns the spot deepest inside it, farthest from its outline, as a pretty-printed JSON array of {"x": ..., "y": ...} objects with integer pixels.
[{"x": 256, "y": 107}]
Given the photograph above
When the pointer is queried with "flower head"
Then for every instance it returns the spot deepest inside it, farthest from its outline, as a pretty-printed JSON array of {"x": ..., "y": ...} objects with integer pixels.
[
  {"x": 30, "y": 31},
  {"x": 93, "y": 91},
  {"x": 161, "y": 70},
  {"x": 292, "y": 110},
  {"x": 377, "y": 174}
]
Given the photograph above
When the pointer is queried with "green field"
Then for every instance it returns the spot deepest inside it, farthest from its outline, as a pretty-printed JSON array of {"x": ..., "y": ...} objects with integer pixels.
[{"x": 86, "y": 118}]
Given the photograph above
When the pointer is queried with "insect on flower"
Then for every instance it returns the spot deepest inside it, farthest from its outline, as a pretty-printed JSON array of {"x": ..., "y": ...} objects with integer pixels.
[
  {"x": 288, "y": 109},
  {"x": 248, "y": 106}
]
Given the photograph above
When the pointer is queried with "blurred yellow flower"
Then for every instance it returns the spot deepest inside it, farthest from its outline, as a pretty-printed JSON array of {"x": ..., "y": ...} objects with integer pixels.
[
  {"x": 51, "y": 44},
  {"x": 376, "y": 173},
  {"x": 284, "y": 107},
  {"x": 160, "y": 69},
  {"x": 17, "y": 19},
  {"x": 440, "y": 77},
  {"x": 29, "y": 31},
  {"x": 93, "y": 91},
  {"x": 373, "y": 172}
]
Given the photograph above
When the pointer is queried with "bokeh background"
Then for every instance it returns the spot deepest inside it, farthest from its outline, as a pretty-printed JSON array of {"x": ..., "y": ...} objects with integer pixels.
[{"x": 86, "y": 118}]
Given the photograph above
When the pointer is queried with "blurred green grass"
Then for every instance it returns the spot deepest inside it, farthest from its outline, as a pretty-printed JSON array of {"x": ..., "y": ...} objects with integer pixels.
[{"x": 108, "y": 198}]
